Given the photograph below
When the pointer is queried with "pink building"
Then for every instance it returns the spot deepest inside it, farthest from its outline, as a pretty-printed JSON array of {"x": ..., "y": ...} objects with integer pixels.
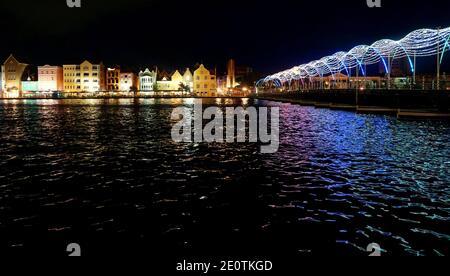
[
  {"x": 127, "y": 82},
  {"x": 50, "y": 78}
]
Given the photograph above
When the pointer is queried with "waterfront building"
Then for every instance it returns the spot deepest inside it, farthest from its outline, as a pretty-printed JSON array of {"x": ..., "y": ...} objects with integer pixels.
[
  {"x": 86, "y": 77},
  {"x": 128, "y": 82},
  {"x": 188, "y": 79},
  {"x": 174, "y": 84},
  {"x": 205, "y": 83},
  {"x": 113, "y": 79},
  {"x": 30, "y": 86},
  {"x": 147, "y": 80},
  {"x": 12, "y": 72},
  {"x": 50, "y": 78},
  {"x": 177, "y": 79},
  {"x": 166, "y": 85},
  {"x": 72, "y": 78}
]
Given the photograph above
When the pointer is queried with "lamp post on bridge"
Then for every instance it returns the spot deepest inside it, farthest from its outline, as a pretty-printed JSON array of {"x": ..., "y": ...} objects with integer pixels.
[
  {"x": 389, "y": 72},
  {"x": 438, "y": 61},
  {"x": 414, "y": 70}
]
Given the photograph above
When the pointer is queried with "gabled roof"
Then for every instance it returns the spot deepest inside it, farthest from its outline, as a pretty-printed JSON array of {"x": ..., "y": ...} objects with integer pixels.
[
  {"x": 147, "y": 72},
  {"x": 188, "y": 71},
  {"x": 11, "y": 57},
  {"x": 177, "y": 75}
]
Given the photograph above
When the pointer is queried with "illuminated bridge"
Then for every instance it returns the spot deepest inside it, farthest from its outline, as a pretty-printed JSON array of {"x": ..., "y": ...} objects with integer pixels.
[{"x": 349, "y": 69}]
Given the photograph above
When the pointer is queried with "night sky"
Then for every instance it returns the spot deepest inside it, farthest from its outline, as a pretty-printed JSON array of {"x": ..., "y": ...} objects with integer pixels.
[{"x": 267, "y": 35}]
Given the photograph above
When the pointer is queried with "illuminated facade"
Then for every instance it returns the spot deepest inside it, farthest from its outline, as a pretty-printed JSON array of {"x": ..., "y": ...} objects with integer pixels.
[
  {"x": 167, "y": 85},
  {"x": 113, "y": 79},
  {"x": 188, "y": 79},
  {"x": 50, "y": 78},
  {"x": 205, "y": 84},
  {"x": 128, "y": 81},
  {"x": 72, "y": 78},
  {"x": 12, "y": 71},
  {"x": 175, "y": 83},
  {"x": 177, "y": 78},
  {"x": 147, "y": 80},
  {"x": 86, "y": 77}
]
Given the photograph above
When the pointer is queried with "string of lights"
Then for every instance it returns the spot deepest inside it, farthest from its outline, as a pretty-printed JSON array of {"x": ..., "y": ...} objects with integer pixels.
[{"x": 419, "y": 43}]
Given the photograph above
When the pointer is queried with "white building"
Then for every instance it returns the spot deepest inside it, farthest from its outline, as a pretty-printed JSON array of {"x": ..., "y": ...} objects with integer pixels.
[
  {"x": 188, "y": 79},
  {"x": 147, "y": 80}
]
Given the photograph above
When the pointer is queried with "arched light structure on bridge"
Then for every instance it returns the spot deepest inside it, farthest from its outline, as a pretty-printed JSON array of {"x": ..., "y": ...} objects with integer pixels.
[{"x": 420, "y": 43}]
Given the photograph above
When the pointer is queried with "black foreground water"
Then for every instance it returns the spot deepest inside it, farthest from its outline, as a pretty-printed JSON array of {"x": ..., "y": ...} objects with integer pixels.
[{"x": 106, "y": 174}]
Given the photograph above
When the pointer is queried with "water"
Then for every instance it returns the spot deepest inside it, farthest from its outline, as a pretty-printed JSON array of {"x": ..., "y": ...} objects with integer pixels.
[{"x": 105, "y": 174}]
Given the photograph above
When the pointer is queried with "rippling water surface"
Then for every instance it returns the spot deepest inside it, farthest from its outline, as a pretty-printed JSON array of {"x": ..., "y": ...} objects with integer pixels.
[{"x": 106, "y": 174}]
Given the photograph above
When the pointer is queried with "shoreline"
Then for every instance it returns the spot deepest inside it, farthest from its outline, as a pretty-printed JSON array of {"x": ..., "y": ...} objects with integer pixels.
[
  {"x": 122, "y": 98},
  {"x": 402, "y": 104},
  {"x": 425, "y": 112}
]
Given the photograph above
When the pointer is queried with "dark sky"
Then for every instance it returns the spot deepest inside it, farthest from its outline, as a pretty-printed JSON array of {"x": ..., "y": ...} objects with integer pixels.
[{"x": 268, "y": 35}]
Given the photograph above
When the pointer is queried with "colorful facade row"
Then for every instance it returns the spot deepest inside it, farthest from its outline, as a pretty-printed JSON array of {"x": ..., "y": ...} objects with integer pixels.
[{"x": 94, "y": 77}]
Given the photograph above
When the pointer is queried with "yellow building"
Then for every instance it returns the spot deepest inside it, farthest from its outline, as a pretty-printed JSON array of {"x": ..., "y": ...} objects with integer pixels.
[
  {"x": 167, "y": 85},
  {"x": 12, "y": 72},
  {"x": 175, "y": 83},
  {"x": 177, "y": 78},
  {"x": 205, "y": 84},
  {"x": 86, "y": 77}
]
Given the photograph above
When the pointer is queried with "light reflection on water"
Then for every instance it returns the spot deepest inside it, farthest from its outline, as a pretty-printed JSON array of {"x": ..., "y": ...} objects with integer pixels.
[{"x": 339, "y": 182}]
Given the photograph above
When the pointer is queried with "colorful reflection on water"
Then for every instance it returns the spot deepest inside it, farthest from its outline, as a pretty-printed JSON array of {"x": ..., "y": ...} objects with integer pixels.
[{"x": 106, "y": 170}]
